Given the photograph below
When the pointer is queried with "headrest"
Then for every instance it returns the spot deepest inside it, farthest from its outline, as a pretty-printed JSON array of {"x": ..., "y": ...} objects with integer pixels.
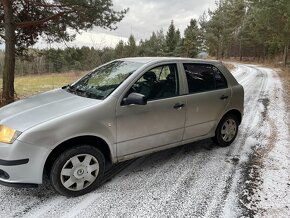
[{"x": 150, "y": 76}]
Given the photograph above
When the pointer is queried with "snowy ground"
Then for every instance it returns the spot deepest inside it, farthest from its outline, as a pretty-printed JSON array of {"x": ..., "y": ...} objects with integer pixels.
[{"x": 248, "y": 179}]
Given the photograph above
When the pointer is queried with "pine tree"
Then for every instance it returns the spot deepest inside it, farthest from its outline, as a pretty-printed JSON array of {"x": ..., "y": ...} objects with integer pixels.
[
  {"x": 171, "y": 39},
  {"x": 131, "y": 47},
  {"x": 119, "y": 49},
  {"x": 191, "y": 43}
]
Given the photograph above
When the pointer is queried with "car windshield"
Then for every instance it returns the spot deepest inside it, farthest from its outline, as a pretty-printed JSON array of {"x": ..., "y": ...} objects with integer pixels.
[{"x": 101, "y": 82}]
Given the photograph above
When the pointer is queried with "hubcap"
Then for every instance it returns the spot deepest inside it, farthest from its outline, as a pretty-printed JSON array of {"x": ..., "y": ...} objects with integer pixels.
[
  {"x": 229, "y": 130},
  {"x": 79, "y": 172}
]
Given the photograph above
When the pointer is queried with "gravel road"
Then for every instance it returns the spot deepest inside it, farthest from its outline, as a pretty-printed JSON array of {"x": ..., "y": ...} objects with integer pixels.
[{"x": 194, "y": 180}]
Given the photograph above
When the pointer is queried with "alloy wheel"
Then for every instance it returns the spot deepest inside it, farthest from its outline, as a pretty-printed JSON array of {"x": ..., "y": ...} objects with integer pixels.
[
  {"x": 79, "y": 172},
  {"x": 228, "y": 130}
]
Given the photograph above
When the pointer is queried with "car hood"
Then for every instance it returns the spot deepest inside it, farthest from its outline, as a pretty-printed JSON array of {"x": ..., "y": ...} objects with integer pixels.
[{"x": 26, "y": 113}]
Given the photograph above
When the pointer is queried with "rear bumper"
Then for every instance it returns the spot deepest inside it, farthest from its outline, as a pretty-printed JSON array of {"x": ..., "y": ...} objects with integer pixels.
[{"x": 22, "y": 164}]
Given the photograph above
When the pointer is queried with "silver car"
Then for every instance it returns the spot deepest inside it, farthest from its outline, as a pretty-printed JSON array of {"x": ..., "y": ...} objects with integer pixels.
[{"x": 121, "y": 110}]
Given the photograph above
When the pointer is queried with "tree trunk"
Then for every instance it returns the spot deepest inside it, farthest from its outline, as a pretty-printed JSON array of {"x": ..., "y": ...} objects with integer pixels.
[
  {"x": 264, "y": 54},
  {"x": 285, "y": 56},
  {"x": 9, "y": 60},
  {"x": 240, "y": 50},
  {"x": 258, "y": 53},
  {"x": 217, "y": 52}
]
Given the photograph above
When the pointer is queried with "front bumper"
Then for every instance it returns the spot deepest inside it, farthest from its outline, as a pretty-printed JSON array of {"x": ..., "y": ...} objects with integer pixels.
[
  {"x": 19, "y": 185},
  {"x": 13, "y": 162},
  {"x": 21, "y": 164}
]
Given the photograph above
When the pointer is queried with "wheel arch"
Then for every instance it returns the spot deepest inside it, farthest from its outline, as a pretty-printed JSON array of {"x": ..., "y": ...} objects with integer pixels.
[
  {"x": 235, "y": 112},
  {"x": 95, "y": 141}
]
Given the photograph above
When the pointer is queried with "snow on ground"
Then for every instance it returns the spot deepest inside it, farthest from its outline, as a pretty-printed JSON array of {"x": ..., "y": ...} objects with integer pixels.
[
  {"x": 248, "y": 179},
  {"x": 265, "y": 191},
  {"x": 274, "y": 192}
]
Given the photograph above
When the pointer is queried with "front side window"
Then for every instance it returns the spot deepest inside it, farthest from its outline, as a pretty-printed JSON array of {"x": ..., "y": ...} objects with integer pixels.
[
  {"x": 203, "y": 77},
  {"x": 104, "y": 80},
  {"x": 158, "y": 83}
]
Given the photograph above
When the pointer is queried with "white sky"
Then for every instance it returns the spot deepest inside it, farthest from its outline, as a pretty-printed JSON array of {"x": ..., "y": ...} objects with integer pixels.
[{"x": 144, "y": 17}]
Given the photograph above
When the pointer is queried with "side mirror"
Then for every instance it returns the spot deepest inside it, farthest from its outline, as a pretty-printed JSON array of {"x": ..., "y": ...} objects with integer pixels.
[{"x": 135, "y": 98}]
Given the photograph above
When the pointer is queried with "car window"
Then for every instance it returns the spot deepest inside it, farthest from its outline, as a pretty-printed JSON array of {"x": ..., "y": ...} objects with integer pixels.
[
  {"x": 157, "y": 83},
  {"x": 203, "y": 77},
  {"x": 220, "y": 80},
  {"x": 104, "y": 80}
]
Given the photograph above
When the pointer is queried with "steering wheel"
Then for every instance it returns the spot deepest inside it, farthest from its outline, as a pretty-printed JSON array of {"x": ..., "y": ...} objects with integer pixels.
[{"x": 135, "y": 87}]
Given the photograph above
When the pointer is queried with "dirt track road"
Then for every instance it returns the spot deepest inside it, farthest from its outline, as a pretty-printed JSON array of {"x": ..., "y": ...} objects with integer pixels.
[{"x": 249, "y": 178}]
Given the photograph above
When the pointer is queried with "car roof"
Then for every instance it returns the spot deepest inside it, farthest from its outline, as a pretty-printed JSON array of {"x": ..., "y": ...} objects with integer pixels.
[{"x": 159, "y": 59}]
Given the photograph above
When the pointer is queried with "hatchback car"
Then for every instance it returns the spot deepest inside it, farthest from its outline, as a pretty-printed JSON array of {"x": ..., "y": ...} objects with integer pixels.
[{"x": 121, "y": 110}]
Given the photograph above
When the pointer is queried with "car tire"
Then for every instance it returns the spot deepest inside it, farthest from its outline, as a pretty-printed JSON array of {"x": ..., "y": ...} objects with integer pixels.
[
  {"x": 226, "y": 131},
  {"x": 77, "y": 171}
]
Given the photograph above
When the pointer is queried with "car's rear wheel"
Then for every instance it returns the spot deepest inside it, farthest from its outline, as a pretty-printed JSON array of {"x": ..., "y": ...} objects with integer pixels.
[
  {"x": 77, "y": 170},
  {"x": 226, "y": 130}
]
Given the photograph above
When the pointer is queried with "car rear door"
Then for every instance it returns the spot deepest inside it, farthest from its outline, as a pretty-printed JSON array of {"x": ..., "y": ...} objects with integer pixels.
[
  {"x": 158, "y": 123},
  {"x": 208, "y": 96}
]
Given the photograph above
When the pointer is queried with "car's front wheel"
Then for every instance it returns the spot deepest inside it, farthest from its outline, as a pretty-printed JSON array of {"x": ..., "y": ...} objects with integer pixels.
[
  {"x": 77, "y": 170},
  {"x": 226, "y": 130}
]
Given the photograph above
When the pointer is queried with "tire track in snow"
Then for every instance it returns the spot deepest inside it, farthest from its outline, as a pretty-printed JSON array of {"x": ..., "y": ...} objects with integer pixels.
[{"x": 253, "y": 139}]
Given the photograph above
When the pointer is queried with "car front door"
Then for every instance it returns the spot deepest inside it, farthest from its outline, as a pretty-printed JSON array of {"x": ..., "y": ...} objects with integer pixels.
[
  {"x": 158, "y": 123},
  {"x": 208, "y": 96}
]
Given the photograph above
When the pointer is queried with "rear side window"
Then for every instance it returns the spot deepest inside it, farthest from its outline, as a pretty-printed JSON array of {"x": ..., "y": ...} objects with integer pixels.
[{"x": 204, "y": 77}]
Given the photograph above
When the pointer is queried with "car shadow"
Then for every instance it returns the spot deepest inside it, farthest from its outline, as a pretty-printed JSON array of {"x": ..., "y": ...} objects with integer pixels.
[{"x": 146, "y": 162}]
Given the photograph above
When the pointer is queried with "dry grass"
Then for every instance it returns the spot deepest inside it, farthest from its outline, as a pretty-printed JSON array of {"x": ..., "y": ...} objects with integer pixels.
[
  {"x": 33, "y": 84},
  {"x": 285, "y": 78},
  {"x": 229, "y": 66}
]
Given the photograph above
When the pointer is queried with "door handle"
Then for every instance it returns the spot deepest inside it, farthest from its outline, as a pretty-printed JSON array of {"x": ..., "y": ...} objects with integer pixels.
[
  {"x": 178, "y": 106},
  {"x": 223, "y": 97}
]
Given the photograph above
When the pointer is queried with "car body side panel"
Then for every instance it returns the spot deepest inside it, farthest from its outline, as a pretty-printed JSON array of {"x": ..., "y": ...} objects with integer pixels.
[
  {"x": 143, "y": 127},
  {"x": 203, "y": 110},
  {"x": 98, "y": 120},
  {"x": 164, "y": 147},
  {"x": 237, "y": 99}
]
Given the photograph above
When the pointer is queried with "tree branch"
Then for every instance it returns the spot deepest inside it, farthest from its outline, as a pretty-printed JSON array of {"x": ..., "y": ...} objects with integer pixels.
[
  {"x": 61, "y": 6},
  {"x": 50, "y": 5},
  {"x": 33, "y": 23}
]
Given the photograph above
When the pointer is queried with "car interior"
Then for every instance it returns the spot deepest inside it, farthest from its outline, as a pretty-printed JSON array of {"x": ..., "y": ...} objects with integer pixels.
[{"x": 158, "y": 83}]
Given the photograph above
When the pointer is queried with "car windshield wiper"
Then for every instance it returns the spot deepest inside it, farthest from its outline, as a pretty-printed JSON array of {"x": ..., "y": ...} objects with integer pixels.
[
  {"x": 81, "y": 92},
  {"x": 75, "y": 90},
  {"x": 66, "y": 86}
]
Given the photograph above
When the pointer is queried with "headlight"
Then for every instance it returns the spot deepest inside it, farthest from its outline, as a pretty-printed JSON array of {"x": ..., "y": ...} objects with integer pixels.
[{"x": 8, "y": 135}]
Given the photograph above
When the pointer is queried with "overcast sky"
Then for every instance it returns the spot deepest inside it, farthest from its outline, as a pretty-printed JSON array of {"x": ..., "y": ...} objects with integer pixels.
[{"x": 144, "y": 17}]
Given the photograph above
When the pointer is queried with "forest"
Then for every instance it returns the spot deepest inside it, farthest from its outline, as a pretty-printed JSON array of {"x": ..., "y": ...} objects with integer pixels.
[{"x": 257, "y": 30}]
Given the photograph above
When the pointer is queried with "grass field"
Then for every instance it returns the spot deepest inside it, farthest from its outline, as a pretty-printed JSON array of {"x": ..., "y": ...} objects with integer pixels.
[{"x": 33, "y": 84}]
